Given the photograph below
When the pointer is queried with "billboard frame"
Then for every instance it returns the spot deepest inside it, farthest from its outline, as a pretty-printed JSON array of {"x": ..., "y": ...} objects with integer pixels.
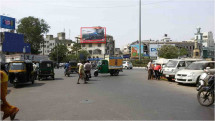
[{"x": 93, "y": 41}]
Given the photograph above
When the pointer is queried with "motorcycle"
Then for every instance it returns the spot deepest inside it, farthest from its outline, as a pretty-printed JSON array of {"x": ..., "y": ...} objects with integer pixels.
[
  {"x": 88, "y": 75},
  {"x": 205, "y": 90}
]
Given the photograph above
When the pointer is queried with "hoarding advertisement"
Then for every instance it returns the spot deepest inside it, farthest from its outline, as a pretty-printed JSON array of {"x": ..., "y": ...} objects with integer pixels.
[
  {"x": 153, "y": 49},
  {"x": 93, "y": 35},
  {"x": 135, "y": 50},
  {"x": 7, "y": 22}
]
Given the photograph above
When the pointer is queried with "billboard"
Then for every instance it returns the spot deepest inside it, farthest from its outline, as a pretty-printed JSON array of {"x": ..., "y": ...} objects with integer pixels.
[
  {"x": 153, "y": 49},
  {"x": 7, "y": 22},
  {"x": 135, "y": 50},
  {"x": 93, "y": 35},
  {"x": 15, "y": 43}
]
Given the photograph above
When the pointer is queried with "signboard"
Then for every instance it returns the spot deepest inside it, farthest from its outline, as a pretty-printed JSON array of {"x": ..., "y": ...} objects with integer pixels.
[
  {"x": 7, "y": 22},
  {"x": 115, "y": 63},
  {"x": 15, "y": 43},
  {"x": 135, "y": 50},
  {"x": 153, "y": 49},
  {"x": 93, "y": 35}
]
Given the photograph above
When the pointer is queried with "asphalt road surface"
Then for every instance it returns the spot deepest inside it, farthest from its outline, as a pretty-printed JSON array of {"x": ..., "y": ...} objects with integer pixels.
[{"x": 129, "y": 96}]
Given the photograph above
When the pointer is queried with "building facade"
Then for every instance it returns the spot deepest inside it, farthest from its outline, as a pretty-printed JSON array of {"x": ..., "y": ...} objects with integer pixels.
[
  {"x": 99, "y": 50},
  {"x": 50, "y": 42}
]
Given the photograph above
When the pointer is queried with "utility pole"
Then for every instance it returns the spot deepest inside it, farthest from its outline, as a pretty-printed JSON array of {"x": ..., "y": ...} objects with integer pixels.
[{"x": 140, "y": 31}]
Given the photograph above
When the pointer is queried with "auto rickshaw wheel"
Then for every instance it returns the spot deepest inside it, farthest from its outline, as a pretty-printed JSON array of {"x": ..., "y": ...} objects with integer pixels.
[
  {"x": 32, "y": 82},
  {"x": 96, "y": 73},
  {"x": 15, "y": 85},
  {"x": 53, "y": 78}
]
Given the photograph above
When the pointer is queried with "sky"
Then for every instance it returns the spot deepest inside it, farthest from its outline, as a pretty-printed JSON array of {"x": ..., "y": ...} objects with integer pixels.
[{"x": 177, "y": 18}]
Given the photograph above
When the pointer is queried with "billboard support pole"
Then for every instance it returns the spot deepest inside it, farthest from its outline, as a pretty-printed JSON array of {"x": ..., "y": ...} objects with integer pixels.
[{"x": 140, "y": 31}]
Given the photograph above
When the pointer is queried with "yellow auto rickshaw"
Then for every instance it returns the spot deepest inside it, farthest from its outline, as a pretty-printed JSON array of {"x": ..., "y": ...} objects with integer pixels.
[{"x": 21, "y": 72}]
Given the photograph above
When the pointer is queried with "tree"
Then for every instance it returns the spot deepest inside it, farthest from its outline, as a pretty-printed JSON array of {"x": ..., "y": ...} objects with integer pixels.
[
  {"x": 70, "y": 57},
  {"x": 58, "y": 53},
  {"x": 183, "y": 52},
  {"x": 33, "y": 30},
  {"x": 76, "y": 47},
  {"x": 169, "y": 52},
  {"x": 83, "y": 55}
]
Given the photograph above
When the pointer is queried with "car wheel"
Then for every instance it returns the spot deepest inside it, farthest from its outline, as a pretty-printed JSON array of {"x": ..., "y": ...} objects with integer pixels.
[{"x": 169, "y": 79}]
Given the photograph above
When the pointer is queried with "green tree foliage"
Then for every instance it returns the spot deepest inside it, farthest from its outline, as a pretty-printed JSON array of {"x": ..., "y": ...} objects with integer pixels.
[
  {"x": 83, "y": 55},
  {"x": 33, "y": 30},
  {"x": 59, "y": 51},
  {"x": 76, "y": 47},
  {"x": 70, "y": 57},
  {"x": 170, "y": 52},
  {"x": 183, "y": 52}
]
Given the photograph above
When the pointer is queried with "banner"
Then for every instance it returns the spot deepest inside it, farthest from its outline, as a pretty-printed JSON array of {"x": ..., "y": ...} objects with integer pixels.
[
  {"x": 135, "y": 50},
  {"x": 153, "y": 49},
  {"x": 7, "y": 22},
  {"x": 93, "y": 35}
]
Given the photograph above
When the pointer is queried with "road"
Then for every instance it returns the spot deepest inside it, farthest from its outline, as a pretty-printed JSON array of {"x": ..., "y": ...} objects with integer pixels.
[{"x": 129, "y": 96}]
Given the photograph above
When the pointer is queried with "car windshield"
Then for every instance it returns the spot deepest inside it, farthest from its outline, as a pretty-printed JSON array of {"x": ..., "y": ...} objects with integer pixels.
[
  {"x": 196, "y": 66},
  {"x": 17, "y": 66},
  {"x": 171, "y": 64},
  {"x": 124, "y": 62}
]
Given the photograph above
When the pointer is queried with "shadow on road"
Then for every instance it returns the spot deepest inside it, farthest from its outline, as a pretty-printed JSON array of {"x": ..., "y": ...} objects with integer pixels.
[
  {"x": 190, "y": 85},
  {"x": 49, "y": 79},
  {"x": 27, "y": 85}
]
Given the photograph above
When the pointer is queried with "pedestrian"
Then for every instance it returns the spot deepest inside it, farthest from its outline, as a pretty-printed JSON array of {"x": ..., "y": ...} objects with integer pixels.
[
  {"x": 157, "y": 70},
  {"x": 150, "y": 70},
  {"x": 81, "y": 73},
  {"x": 87, "y": 68},
  {"x": 6, "y": 108}
]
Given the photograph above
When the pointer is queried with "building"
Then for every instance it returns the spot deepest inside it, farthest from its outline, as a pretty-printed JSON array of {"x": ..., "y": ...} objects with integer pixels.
[
  {"x": 150, "y": 47},
  {"x": 99, "y": 50},
  {"x": 50, "y": 42}
]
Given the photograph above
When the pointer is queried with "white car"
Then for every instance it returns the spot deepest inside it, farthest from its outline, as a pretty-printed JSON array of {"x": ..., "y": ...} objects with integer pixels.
[
  {"x": 191, "y": 74},
  {"x": 127, "y": 65}
]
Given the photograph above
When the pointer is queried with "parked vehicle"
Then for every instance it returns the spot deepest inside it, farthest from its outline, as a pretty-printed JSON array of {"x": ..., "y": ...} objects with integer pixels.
[
  {"x": 174, "y": 65},
  {"x": 113, "y": 66},
  {"x": 193, "y": 72},
  {"x": 205, "y": 95},
  {"x": 21, "y": 72},
  {"x": 127, "y": 65},
  {"x": 45, "y": 70}
]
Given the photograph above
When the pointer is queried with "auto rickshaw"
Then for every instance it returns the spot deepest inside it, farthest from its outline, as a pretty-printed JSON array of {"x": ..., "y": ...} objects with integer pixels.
[
  {"x": 113, "y": 66},
  {"x": 45, "y": 69},
  {"x": 73, "y": 67},
  {"x": 21, "y": 72}
]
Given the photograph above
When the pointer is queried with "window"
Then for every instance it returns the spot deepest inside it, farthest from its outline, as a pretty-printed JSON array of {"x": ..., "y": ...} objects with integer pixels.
[
  {"x": 99, "y": 45},
  {"x": 90, "y": 45},
  {"x": 69, "y": 44},
  {"x": 90, "y": 51}
]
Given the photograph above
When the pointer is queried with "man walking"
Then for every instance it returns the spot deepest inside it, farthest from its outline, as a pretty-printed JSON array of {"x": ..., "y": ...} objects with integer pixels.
[
  {"x": 150, "y": 70},
  {"x": 81, "y": 73}
]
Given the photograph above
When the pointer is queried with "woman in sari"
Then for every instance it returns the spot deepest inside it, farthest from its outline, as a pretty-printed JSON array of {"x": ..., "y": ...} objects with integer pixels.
[{"x": 6, "y": 108}]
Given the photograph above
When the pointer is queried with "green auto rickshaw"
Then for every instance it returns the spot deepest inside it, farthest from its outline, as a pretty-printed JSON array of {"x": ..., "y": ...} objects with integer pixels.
[
  {"x": 45, "y": 69},
  {"x": 112, "y": 65},
  {"x": 21, "y": 71}
]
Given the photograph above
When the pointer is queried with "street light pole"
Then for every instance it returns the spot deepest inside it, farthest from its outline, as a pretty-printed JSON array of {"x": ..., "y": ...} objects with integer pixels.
[{"x": 140, "y": 31}]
